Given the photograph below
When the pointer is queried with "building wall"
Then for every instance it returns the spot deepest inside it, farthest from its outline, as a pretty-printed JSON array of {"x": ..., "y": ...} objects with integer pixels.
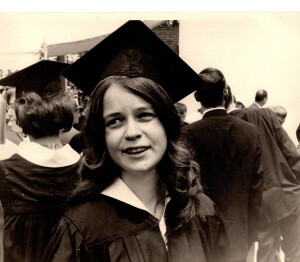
[{"x": 169, "y": 33}]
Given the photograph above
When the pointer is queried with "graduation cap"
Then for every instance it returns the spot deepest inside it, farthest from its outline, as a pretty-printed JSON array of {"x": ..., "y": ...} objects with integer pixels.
[
  {"x": 134, "y": 50},
  {"x": 42, "y": 77}
]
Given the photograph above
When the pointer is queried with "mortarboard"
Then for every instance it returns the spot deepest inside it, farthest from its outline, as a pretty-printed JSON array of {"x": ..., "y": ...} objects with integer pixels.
[
  {"x": 42, "y": 77},
  {"x": 134, "y": 50}
]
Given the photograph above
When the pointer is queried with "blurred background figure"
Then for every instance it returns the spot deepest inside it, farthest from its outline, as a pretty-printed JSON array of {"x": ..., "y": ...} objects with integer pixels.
[
  {"x": 280, "y": 217},
  {"x": 37, "y": 180},
  {"x": 240, "y": 105},
  {"x": 261, "y": 98},
  {"x": 13, "y": 132},
  {"x": 65, "y": 137},
  {"x": 280, "y": 112},
  {"x": 298, "y": 138},
  {"x": 7, "y": 149},
  {"x": 230, "y": 103},
  {"x": 181, "y": 109}
]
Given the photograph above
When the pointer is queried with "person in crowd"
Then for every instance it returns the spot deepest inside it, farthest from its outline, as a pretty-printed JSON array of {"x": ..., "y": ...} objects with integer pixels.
[
  {"x": 36, "y": 181},
  {"x": 77, "y": 141},
  {"x": 230, "y": 103},
  {"x": 261, "y": 98},
  {"x": 13, "y": 131},
  {"x": 298, "y": 138},
  {"x": 280, "y": 214},
  {"x": 140, "y": 196},
  {"x": 182, "y": 110},
  {"x": 7, "y": 149},
  {"x": 240, "y": 105},
  {"x": 280, "y": 112},
  {"x": 78, "y": 116},
  {"x": 228, "y": 151},
  {"x": 65, "y": 137}
]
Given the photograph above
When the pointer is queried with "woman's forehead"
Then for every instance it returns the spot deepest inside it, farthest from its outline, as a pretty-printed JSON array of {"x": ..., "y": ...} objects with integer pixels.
[{"x": 118, "y": 98}]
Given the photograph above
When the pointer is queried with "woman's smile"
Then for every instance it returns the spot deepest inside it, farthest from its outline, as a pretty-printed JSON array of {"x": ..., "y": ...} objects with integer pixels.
[
  {"x": 135, "y": 138},
  {"x": 136, "y": 150}
]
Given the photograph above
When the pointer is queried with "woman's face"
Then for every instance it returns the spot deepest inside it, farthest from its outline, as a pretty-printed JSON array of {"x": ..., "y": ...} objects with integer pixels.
[{"x": 135, "y": 138}]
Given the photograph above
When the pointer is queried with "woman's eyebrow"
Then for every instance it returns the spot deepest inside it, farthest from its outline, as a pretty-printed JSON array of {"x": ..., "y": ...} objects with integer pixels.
[
  {"x": 144, "y": 108},
  {"x": 114, "y": 114}
]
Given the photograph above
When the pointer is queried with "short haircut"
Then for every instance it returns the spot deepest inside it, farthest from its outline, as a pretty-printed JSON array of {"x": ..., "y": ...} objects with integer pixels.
[
  {"x": 210, "y": 92},
  {"x": 181, "y": 108},
  {"x": 260, "y": 95},
  {"x": 41, "y": 117},
  {"x": 298, "y": 133},
  {"x": 240, "y": 105},
  {"x": 234, "y": 98},
  {"x": 279, "y": 111},
  {"x": 228, "y": 97}
]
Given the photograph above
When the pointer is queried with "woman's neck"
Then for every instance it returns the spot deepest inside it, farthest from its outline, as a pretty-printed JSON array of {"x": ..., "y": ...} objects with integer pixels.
[
  {"x": 51, "y": 142},
  {"x": 144, "y": 186}
]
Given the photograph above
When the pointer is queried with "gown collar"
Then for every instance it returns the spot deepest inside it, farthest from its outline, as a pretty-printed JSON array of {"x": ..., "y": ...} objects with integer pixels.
[
  {"x": 46, "y": 157},
  {"x": 120, "y": 191}
]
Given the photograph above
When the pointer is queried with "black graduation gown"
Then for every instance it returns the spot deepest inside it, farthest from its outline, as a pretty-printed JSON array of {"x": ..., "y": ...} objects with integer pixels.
[
  {"x": 33, "y": 198},
  {"x": 106, "y": 229}
]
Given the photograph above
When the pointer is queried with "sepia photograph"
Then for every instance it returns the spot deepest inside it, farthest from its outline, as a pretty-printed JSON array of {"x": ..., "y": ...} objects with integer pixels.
[{"x": 150, "y": 136}]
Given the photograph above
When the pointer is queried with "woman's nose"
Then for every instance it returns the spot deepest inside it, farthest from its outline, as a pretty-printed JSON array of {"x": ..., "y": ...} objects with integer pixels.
[{"x": 133, "y": 130}]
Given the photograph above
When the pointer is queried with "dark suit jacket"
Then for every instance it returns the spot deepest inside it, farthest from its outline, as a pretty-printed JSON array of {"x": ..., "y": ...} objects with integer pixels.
[
  {"x": 228, "y": 151},
  {"x": 236, "y": 112},
  {"x": 281, "y": 162},
  {"x": 254, "y": 106}
]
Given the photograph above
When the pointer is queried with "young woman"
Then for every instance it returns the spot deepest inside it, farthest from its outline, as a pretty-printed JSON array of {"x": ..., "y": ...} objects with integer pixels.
[
  {"x": 140, "y": 197},
  {"x": 36, "y": 181}
]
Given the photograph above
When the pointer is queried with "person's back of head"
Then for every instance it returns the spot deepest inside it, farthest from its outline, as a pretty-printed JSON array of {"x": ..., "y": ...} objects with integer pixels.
[
  {"x": 41, "y": 117},
  {"x": 211, "y": 91},
  {"x": 181, "y": 109},
  {"x": 240, "y": 105},
  {"x": 261, "y": 97},
  {"x": 228, "y": 97},
  {"x": 298, "y": 133},
  {"x": 280, "y": 112}
]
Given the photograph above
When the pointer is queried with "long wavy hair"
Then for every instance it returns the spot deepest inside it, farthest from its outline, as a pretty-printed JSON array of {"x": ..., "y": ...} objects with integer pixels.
[{"x": 178, "y": 174}]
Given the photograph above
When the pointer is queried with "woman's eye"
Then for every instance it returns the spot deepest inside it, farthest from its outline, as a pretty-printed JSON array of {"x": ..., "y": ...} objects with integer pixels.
[
  {"x": 116, "y": 122},
  {"x": 146, "y": 116}
]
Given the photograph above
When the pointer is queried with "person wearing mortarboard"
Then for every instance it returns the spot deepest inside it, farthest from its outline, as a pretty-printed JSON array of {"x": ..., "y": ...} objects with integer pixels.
[
  {"x": 7, "y": 149},
  {"x": 36, "y": 181},
  {"x": 140, "y": 198}
]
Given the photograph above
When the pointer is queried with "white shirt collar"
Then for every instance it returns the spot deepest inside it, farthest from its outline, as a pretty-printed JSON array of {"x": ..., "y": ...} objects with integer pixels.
[
  {"x": 232, "y": 109},
  {"x": 7, "y": 149},
  {"x": 46, "y": 157},
  {"x": 258, "y": 105},
  {"x": 211, "y": 109}
]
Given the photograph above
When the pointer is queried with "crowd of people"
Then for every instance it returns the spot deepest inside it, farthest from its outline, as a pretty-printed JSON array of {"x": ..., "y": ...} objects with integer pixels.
[{"x": 126, "y": 178}]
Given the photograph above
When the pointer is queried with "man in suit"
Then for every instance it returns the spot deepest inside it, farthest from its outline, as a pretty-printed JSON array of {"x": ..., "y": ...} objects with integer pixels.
[
  {"x": 261, "y": 98},
  {"x": 280, "y": 212},
  {"x": 228, "y": 151}
]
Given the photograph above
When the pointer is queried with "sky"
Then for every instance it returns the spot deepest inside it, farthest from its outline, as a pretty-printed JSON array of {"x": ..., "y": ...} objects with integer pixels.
[{"x": 254, "y": 50}]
